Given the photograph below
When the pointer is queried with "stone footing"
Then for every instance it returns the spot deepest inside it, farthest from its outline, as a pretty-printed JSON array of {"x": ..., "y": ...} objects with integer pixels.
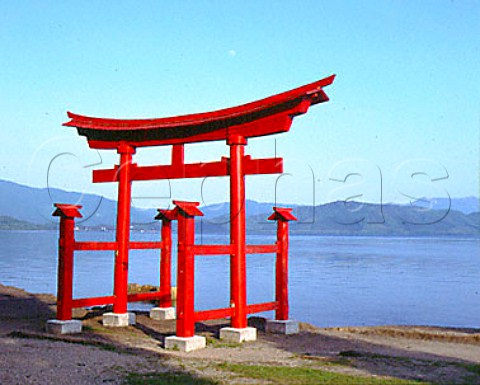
[
  {"x": 118, "y": 319},
  {"x": 238, "y": 335},
  {"x": 56, "y": 326},
  {"x": 162, "y": 313},
  {"x": 282, "y": 327},
  {"x": 185, "y": 344}
]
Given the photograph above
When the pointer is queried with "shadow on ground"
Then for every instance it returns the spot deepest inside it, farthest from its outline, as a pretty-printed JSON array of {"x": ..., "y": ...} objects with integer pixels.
[{"x": 23, "y": 317}]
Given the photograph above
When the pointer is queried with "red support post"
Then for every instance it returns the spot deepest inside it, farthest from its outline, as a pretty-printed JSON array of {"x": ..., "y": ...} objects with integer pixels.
[
  {"x": 281, "y": 271},
  {"x": 166, "y": 265},
  {"x": 282, "y": 216},
  {"x": 166, "y": 216},
  {"x": 66, "y": 247},
  {"x": 186, "y": 212},
  {"x": 178, "y": 155},
  {"x": 123, "y": 228},
  {"x": 238, "y": 269}
]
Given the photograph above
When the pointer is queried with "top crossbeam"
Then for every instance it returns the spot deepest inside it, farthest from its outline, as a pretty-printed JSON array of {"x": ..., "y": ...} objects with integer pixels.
[{"x": 259, "y": 118}]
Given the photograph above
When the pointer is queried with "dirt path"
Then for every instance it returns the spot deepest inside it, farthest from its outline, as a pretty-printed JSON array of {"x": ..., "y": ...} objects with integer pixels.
[{"x": 100, "y": 355}]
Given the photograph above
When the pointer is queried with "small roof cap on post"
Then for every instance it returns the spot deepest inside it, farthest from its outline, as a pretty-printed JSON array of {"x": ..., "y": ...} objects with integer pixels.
[
  {"x": 166, "y": 215},
  {"x": 282, "y": 214},
  {"x": 189, "y": 209},
  {"x": 67, "y": 211}
]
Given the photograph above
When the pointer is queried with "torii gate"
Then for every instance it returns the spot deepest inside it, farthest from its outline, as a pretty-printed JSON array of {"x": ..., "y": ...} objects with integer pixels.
[{"x": 235, "y": 125}]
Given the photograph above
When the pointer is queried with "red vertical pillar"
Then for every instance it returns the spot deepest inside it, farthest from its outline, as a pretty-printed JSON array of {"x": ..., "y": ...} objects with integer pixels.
[
  {"x": 238, "y": 270},
  {"x": 123, "y": 228},
  {"x": 282, "y": 216},
  {"x": 281, "y": 270},
  {"x": 186, "y": 212},
  {"x": 178, "y": 155},
  {"x": 166, "y": 265},
  {"x": 166, "y": 216},
  {"x": 66, "y": 247}
]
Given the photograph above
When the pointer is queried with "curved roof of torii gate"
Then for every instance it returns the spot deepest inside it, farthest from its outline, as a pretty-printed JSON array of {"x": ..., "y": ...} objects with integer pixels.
[{"x": 262, "y": 117}]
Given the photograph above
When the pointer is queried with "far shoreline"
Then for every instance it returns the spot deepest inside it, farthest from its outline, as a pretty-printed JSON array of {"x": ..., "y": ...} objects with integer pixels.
[{"x": 460, "y": 237}]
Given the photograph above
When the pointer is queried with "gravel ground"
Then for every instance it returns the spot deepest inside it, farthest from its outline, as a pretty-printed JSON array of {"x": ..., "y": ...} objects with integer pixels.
[
  {"x": 100, "y": 355},
  {"x": 32, "y": 361}
]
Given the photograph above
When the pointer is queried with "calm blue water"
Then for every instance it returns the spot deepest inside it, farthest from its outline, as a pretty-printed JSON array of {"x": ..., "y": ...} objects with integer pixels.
[{"x": 334, "y": 281}]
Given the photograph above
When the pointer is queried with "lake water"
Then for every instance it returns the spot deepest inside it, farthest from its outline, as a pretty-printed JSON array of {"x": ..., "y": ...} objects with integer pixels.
[{"x": 334, "y": 281}]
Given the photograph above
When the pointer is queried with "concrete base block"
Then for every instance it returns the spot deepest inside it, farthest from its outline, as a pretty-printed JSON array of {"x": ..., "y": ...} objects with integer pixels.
[
  {"x": 282, "y": 327},
  {"x": 238, "y": 335},
  {"x": 162, "y": 313},
  {"x": 185, "y": 344},
  {"x": 56, "y": 326},
  {"x": 118, "y": 319}
]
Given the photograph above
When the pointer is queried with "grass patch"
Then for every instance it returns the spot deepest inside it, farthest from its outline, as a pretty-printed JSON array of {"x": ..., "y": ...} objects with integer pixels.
[
  {"x": 99, "y": 329},
  {"x": 166, "y": 379},
  {"x": 473, "y": 368},
  {"x": 216, "y": 343},
  {"x": 325, "y": 361},
  {"x": 307, "y": 376}
]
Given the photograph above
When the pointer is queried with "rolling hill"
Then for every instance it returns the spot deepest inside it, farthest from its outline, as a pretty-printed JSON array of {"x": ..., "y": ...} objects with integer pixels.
[{"x": 24, "y": 207}]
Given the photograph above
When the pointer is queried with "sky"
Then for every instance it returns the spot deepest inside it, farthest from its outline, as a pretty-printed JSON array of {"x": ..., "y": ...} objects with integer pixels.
[{"x": 403, "y": 120}]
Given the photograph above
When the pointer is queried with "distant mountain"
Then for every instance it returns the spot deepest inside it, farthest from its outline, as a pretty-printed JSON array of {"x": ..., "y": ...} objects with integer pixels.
[
  {"x": 219, "y": 212},
  {"x": 35, "y": 205},
  {"x": 9, "y": 223},
  {"x": 24, "y": 207},
  {"x": 354, "y": 218},
  {"x": 466, "y": 205}
]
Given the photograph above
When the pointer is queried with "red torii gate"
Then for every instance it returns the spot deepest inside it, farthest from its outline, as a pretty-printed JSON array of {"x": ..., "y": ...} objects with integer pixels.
[{"x": 235, "y": 125}]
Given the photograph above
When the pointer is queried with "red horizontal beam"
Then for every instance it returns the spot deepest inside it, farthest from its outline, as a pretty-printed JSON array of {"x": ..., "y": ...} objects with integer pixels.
[
  {"x": 206, "y": 315},
  {"x": 192, "y": 170},
  {"x": 227, "y": 249},
  {"x": 260, "y": 307},
  {"x": 262, "y": 166},
  {"x": 145, "y": 245},
  {"x": 212, "y": 249},
  {"x": 198, "y": 249},
  {"x": 83, "y": 246},
  {"x": 95, "y": 245},
  {"x": 94, "y": 301},
  {"x": 145, "y": 296},
  {"x": 261, "y": 249}
]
